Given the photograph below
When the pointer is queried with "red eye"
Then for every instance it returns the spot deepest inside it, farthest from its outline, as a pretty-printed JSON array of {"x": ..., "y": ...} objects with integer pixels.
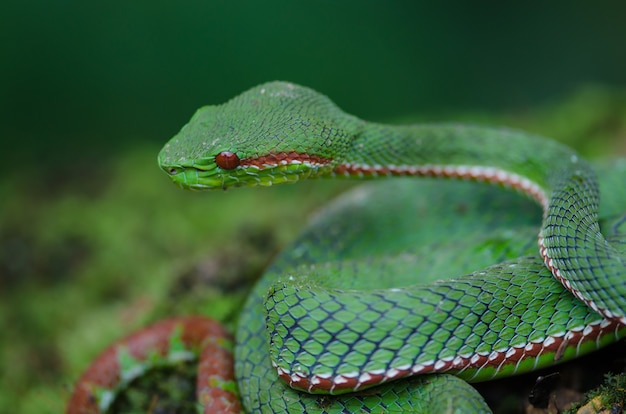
[{"x": 227, "y": 160}]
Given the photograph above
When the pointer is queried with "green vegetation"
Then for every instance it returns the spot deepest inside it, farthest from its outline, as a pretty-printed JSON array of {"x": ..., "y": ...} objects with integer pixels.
[{"x": 610, "y": 397}]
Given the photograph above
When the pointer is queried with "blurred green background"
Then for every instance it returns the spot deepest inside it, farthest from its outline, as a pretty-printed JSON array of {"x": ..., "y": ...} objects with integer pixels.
[
  {"x": 92, "y": 235},
  {"x": 83, "y": 79}
]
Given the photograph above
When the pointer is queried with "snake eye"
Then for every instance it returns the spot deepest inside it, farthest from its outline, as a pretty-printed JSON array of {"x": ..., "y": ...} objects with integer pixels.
[
  {"x": 172, "y": 171},
  {"x": 227, "y": 160}
]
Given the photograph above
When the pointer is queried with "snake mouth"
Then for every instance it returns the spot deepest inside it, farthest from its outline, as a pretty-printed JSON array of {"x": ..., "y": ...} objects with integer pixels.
[
  {"x": 199, "y": 177},
  {"x": 193, "y": 178}
]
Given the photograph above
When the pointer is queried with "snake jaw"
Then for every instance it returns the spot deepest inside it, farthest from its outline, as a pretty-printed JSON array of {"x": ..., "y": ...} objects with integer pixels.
[{"x": 258, "y": 171}]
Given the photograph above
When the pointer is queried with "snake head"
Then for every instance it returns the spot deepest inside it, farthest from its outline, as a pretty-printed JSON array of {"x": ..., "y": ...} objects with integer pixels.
[{"x": 274, "y": 133}]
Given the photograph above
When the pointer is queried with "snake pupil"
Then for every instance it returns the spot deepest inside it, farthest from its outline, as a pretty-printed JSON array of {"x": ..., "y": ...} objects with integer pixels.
[{"x": 227, "y": 160}]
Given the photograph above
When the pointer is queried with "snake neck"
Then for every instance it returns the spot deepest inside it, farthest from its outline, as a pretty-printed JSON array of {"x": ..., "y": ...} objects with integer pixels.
[{"x": 501, "y": 156}]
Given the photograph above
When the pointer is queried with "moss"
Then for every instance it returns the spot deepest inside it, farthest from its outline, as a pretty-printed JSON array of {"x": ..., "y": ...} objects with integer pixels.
[{"x": 610, "y": 397}]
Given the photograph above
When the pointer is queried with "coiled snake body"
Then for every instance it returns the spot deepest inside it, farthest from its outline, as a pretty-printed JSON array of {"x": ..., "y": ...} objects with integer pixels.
[{"x": 343, "y": 309}]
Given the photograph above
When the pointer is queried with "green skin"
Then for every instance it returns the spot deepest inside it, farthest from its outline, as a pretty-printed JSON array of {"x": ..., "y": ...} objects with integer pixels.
[{"x": 344, "y": 309}]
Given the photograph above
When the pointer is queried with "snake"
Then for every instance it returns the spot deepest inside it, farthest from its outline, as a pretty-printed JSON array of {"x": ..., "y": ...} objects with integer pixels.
[{"x": 359, "y": 314}]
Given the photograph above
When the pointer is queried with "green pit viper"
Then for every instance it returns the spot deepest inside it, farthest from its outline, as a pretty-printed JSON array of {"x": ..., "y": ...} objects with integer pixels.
[{"x": 393, "y": 287}]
